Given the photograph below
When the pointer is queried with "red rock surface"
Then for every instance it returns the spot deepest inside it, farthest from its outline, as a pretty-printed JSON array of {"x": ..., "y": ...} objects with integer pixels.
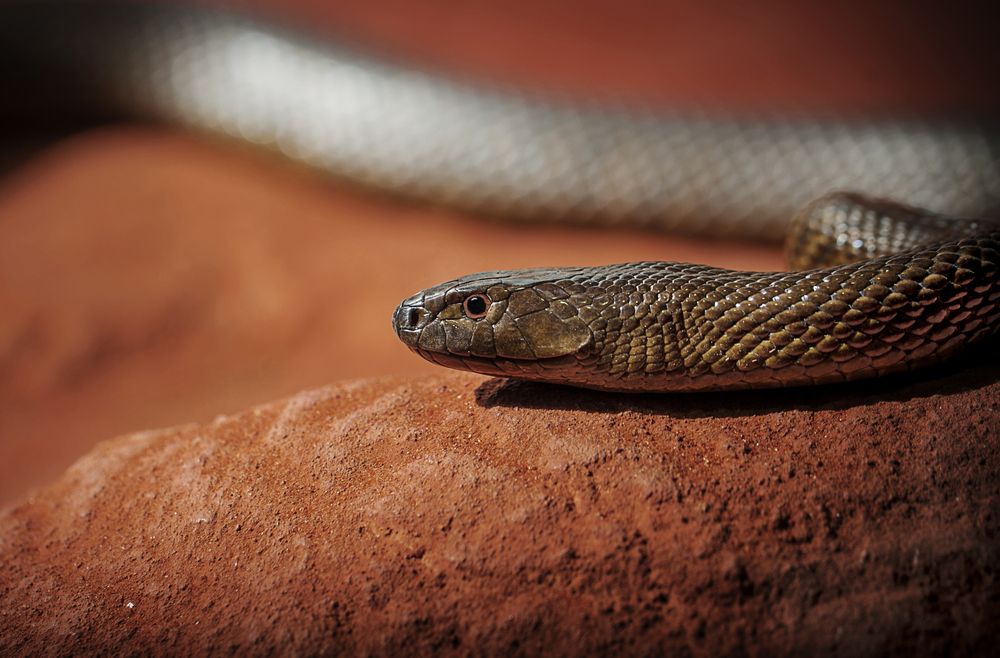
[
  {"x": 149, "y": 278},
  {"x": 461, "y": 514}
]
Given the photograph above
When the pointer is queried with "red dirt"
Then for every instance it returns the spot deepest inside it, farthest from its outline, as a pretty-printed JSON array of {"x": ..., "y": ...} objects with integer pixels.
[{"x": 461, "y": 514}]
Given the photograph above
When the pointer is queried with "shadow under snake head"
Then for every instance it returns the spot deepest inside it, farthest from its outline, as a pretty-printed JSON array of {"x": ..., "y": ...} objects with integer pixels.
[{"x": 514, "y": 322}]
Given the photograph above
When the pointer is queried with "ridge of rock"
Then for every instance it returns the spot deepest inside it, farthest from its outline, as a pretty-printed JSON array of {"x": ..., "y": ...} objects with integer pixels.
[{"x": 455, "y": 513}]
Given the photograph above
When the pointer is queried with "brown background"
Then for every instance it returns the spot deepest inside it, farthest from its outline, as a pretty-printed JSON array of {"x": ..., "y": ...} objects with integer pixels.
[{"x": 148, "y": 277}]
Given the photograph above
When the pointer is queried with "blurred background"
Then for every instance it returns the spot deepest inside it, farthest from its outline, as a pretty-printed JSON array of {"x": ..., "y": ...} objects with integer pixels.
[{"x": 150, "y": 277}]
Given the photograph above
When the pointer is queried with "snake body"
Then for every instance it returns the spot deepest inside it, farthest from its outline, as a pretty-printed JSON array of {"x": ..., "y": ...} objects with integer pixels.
[
  {"x": 658, "y": 326},
  {"x": 922, "y": 286}
]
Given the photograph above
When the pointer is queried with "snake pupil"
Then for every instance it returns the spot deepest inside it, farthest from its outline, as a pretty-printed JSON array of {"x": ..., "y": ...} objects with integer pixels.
[{"x": 475, "y": 306}]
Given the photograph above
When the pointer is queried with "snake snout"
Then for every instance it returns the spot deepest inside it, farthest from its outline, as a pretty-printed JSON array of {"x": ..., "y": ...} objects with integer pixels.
[{"x": 408, "y": 320}]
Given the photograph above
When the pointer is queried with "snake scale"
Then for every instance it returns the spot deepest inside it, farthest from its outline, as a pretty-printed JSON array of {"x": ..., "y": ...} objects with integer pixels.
[{"x": 876, "y": 286}]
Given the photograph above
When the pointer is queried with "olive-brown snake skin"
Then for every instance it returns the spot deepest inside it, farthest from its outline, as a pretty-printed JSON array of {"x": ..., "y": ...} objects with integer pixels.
[
  {"x": 679, "y": 327},
  {"x": 920, "y": 286}
]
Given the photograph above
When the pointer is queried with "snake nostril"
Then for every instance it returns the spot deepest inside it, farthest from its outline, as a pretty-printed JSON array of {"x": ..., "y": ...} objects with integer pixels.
[{"x": 408, "y": 318}]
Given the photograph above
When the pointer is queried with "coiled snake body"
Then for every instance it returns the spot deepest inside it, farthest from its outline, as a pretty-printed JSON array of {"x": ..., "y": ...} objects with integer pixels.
[{"x": 901, "y": 287}]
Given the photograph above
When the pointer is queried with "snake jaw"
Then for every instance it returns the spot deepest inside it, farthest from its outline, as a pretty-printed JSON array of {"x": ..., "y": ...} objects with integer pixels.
[{"x": 529, "y": 369}]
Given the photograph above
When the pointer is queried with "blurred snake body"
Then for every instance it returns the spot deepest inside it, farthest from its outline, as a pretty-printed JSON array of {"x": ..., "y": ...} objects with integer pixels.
[{"x": 878, "y": 287}]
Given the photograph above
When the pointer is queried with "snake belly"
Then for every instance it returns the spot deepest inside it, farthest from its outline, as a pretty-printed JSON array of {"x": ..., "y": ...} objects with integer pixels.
[{"x": 883, "y": 287}]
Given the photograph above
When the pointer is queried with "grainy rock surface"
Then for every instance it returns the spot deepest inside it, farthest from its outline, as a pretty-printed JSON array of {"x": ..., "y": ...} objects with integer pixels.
[
  {"x": 464, "y": 514},
  {"x": 149, "y": 278}
]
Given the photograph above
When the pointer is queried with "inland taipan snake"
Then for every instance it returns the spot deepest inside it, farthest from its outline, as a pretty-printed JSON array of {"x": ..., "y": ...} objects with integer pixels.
[{"x": 877, "y": 287}]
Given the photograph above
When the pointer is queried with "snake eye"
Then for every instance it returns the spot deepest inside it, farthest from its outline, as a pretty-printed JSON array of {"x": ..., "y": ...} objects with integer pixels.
[{"x": 476, "y": 306}]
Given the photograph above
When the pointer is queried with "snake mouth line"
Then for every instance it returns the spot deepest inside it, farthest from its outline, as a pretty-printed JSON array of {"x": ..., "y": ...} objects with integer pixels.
[
  {"x": 478, "y": 364},
  {"x": 500, "y": 367}
]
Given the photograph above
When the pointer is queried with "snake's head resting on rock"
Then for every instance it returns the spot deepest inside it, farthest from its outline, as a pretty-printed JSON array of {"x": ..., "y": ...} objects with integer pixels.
[
  {"x": 668, "y": 327},
  {"x": 498, "y": 323}
]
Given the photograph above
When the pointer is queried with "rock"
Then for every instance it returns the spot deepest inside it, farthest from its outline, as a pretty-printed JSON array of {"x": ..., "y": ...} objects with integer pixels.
[
  {"x": 148, "y": 278},
  {"x": 456, "y": 513}
]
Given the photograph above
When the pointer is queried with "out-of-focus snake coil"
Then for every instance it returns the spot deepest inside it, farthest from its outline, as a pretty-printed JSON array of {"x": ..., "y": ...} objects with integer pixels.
[{"x": 644, "y": 326}]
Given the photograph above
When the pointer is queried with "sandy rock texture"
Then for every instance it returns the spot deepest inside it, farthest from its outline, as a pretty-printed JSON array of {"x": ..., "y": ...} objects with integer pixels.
[
  {"x": 149, "y": 278},
  {"x": 462, "y": 514}
]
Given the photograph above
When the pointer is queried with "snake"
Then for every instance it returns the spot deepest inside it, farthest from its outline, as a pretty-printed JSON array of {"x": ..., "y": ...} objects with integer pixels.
[{"x": 889, "y": 222}]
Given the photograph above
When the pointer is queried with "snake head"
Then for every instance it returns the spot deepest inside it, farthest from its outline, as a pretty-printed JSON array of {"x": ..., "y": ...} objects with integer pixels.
[{"x": 494, "y": 322}]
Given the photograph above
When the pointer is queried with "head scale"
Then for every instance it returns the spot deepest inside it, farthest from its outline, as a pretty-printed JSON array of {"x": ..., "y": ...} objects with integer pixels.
[{"x": 517, "y": 318}]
